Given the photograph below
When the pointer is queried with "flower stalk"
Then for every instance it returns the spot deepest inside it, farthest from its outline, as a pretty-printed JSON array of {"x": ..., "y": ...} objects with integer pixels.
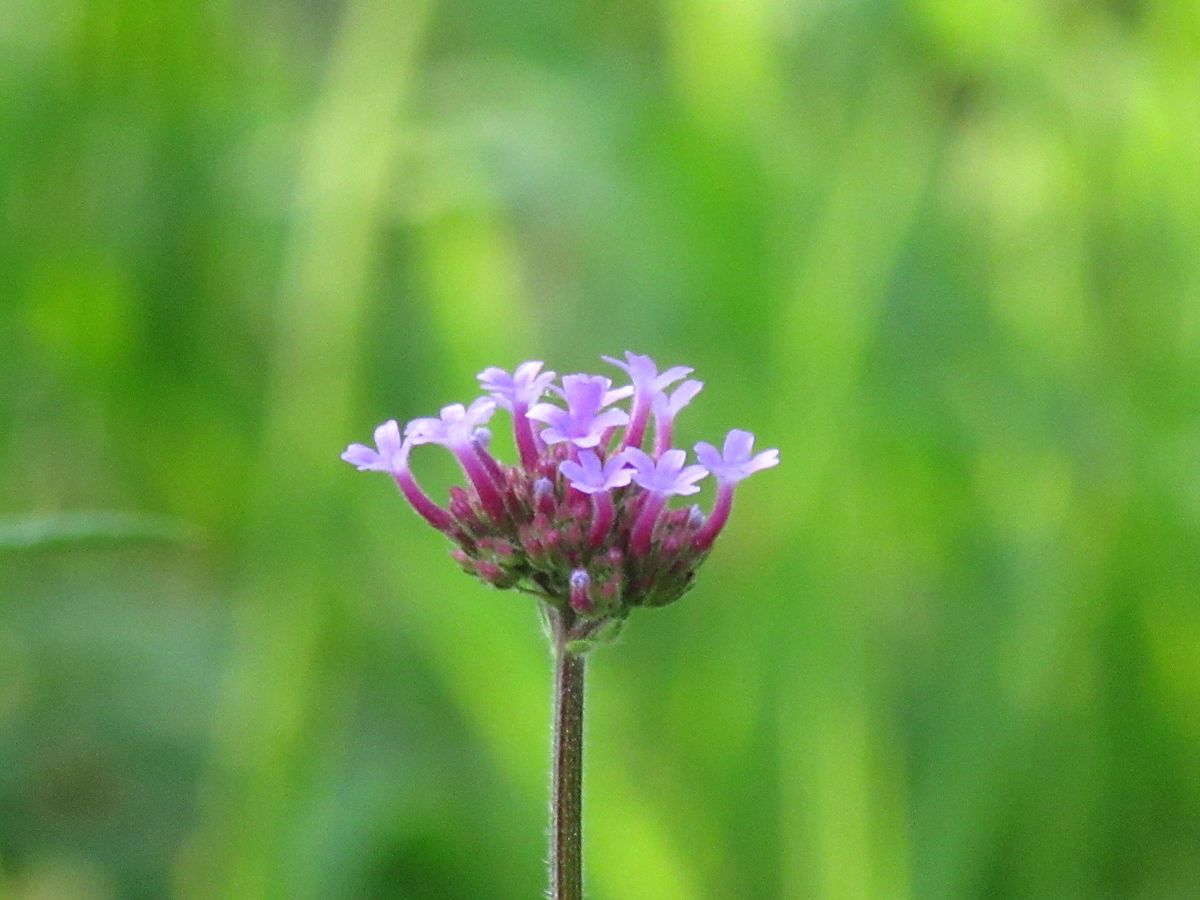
[{"x": 566, "y": 789}]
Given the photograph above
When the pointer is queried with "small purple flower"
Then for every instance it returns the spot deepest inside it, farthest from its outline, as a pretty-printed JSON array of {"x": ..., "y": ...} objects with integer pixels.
[
  {"x": 522, "y": 388},
  {"x": 643, "y": 372},
  {"x": 390, "y": 455},
  {"x": 584, "y": 421},
  {"x": 455, "y": 427},
  {"x": 648, "y": 383},
  {"x": 590, "y": 476},
  {"x": 737, "y": 461},
  {"x": 666, "y": 408},
  {"x": 661, "y": 478},
  {"x": 667, "y": 475}
]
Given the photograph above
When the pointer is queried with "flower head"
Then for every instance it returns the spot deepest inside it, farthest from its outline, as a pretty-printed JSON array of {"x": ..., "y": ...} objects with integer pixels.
[
  {"x": 591, "y": 476},
  {"x": 585, "y": 420},
  {"x": 588, "y": 529},
  {"x": 390, "y": 453},
  {"x": 455, "y": 426},
  {"x": 667, "y": 475},
  {"x": 736, "y": 461},
  {"x": 522, "y": 388}
]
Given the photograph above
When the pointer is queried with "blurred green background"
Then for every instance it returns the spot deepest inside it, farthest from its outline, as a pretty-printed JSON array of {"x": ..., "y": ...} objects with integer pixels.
[{"x": 944, "y": 254}]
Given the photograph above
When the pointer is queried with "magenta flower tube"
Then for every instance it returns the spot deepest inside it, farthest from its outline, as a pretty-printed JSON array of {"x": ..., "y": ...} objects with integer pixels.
[
  {"x": 643, "y": 528},
  {"x": 481, "y": 480},
  {"x": 602, "y": 518},
  {"x": 717, "y": 518}
]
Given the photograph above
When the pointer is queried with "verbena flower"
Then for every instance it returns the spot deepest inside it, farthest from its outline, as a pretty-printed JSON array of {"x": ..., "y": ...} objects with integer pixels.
[
  {"x": 387, "y": 456},
  {"x": 525, "y": 386},
  {"x": 584, "y": 521},
  {"x": 735, "y": 462},
  {"x": 666, "y": 475},
  {"x": 391, "y": 455},
  {"x": 666, "y": 407},
  {"x": 585, "y": 420},
  {"x": 648, "y": 383},
  {"x": 455, "y": 424},
  {"x": 516, "y": 393},
  {"x": 661, "y": 478},
  {"x": 592, "y": 476}
]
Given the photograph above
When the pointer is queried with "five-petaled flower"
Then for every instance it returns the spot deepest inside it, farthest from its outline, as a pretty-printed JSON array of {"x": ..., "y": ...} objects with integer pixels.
[
  {"x": 585, "y": 420},
  {"x": 648, "y": 383},
  {"x": 583, "y": 520},
  {"x": 523, "y": 387},
  {"x": 592, "y": 476}
]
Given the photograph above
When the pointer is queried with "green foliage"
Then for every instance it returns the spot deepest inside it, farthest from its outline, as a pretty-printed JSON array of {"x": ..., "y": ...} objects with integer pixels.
[{"x": 943, "y": 255}]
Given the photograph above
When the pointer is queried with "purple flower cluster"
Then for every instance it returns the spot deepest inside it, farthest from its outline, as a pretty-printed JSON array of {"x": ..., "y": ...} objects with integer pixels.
[{"x": 583, "y": 521}]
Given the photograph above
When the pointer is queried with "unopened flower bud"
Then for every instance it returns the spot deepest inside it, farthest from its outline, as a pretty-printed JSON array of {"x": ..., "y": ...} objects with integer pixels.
[
  {"x": 543, "y": 492},
  {"x": 573, "y": 535},
  {"x": 460, "y": 505},
  {"x": 696, "y": 516},
  {"x": 581, "y": 602},
  {"x": 463, "y": 559},
  {"x": 482, "y": 437},
  {"x": 503, "y": 549},
  {"x": 494, "y": 575}
]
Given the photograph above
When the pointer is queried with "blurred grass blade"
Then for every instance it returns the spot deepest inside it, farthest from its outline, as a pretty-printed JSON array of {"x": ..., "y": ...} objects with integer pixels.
[{"x": 75, "y": 528}]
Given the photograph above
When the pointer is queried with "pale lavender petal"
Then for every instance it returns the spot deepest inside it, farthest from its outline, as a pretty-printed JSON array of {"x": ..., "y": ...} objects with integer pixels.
[
  {"x": 668, "y": 406},
  {"x": 616, "y": 473},
  {"x": 611, "y": 397},
  {"x": 527, "y": 371},
  {"x": 546, "y": 412},
  {"x": 589, "y": 439},
  {"x": 671, "y": 462},
  {"x": 425, "y": 431},
  {"x": 610, "y": 418},
  {"x": 574, "y": 472},
  {"x": 738, "y": 445},
  {"x": 453, "y": 413},
  {"x": 640, "y": 459},
  {"x": 616, "y": 362},
  {"x": 387, "y": 438},
  {"x": 672, "y": 375},
  {"x": 592, "y": 467},
  {"x": 764, "y": 460},
  {"x": 363, "y": 457},
  {"x": 709, "y": 456},
  {"x": 480, "y": 411}
]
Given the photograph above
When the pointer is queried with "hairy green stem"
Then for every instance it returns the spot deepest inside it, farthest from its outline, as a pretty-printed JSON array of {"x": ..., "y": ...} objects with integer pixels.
[{"x": 566, "y": 800}]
